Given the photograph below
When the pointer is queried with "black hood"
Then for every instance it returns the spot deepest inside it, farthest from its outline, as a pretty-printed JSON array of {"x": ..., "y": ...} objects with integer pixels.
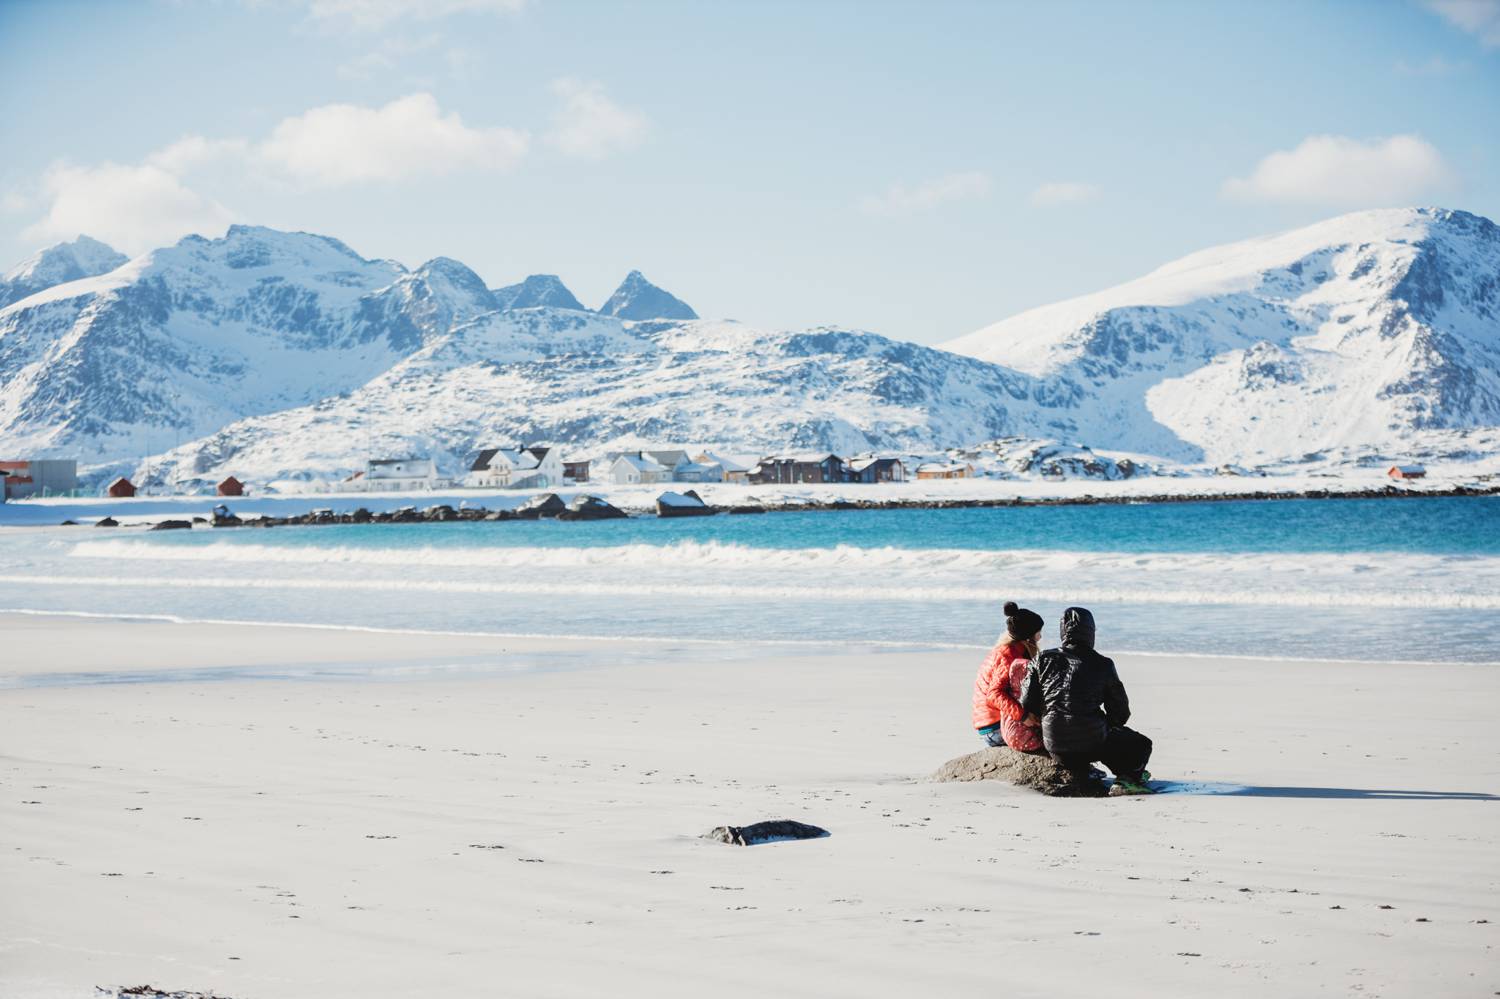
[{"x": 1077, "y": 628}]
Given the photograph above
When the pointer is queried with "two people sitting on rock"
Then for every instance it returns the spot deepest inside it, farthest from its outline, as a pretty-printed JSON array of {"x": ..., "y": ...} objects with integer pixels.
[{"x": 1068, "y": 700}]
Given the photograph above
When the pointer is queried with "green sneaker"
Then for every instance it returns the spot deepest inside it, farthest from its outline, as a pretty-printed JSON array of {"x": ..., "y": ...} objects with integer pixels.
[{"x": 1124, "y": 787}]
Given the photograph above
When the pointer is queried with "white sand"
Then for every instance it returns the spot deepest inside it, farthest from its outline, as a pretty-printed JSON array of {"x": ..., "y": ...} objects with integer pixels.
[{"x": 330, "y": 837}]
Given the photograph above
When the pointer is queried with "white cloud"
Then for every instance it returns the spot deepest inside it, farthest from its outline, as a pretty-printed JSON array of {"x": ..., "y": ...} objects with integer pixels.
[
  {"x": 409, "y": 137},
  {"x": 148, "y": 204},
  {"x": 372, "y": 14},
  {"x": 194, "y": 151},
  {"x": 1064, "y": 192},
  {"x": 589, "y": 124},
  {"x": 899, "y": 199},
  {"x": 131, "y": 207},
  {"x": 1480, "y": 18},
  {"x": 1336, "y": 170}
]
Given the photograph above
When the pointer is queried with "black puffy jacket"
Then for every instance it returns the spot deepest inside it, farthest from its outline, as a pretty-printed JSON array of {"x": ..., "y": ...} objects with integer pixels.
[{"x": 1074, "y": 690}]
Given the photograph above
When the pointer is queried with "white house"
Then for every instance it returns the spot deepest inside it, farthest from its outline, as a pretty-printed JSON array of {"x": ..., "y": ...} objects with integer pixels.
[
  {"x": 698, "y": 471},
  {"x": 729, "y": 469},
  {"x": 393, "y": 475},
  {"x": 517, "y": 468},
  {"x": 633, "y": 469}
]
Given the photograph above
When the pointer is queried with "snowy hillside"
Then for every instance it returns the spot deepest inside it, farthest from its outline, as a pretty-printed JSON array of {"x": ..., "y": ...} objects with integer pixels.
[
  {"x": 1355, "y": 332},
  {"x": 82, "y": 258},
  {"x": 565, "y": 376}
]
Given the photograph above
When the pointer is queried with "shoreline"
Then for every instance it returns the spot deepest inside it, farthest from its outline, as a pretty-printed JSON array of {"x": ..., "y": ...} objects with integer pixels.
[
  {"x": 787, "y": 646},
  {"x": 414, "y": 512}
]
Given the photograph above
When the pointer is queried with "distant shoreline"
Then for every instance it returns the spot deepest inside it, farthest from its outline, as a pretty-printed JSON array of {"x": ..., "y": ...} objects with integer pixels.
[{"x": 416, "y": 512}]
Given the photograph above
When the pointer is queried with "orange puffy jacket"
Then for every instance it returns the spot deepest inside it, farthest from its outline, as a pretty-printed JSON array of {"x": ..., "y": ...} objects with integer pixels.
[{"x": 996, "y": 689}]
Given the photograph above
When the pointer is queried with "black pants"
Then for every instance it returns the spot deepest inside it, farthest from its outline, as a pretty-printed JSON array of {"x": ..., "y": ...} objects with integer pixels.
[{"x": 1125, "y": 751}]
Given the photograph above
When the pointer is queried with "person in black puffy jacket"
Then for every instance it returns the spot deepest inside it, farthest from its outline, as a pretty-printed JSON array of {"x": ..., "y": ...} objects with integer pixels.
[{"x": 1083, "y": 705}]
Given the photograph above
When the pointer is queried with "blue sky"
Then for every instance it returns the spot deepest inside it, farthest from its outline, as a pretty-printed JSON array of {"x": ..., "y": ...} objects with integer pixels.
[{"x": 919, "y": 170}]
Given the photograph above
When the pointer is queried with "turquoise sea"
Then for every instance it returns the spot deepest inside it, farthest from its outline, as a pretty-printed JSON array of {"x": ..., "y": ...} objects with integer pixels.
[{"x": 1378, "y": 580}]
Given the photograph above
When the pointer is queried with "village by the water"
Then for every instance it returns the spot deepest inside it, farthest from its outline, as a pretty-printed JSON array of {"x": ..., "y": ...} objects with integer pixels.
[{"x": 535, "y": 469}]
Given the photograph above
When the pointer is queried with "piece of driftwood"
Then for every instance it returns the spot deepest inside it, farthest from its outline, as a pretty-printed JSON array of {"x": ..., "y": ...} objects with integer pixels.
[{"x": 1035, "y": 771}]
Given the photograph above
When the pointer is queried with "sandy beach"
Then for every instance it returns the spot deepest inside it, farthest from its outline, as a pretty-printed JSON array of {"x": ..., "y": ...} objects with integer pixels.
[{"x": 279, "y": 812}]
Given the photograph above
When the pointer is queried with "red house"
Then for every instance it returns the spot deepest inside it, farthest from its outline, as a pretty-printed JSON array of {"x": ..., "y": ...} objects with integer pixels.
[
  {"x": 121, "y": 488},
  {"x": 1407, "y": 472},
  {"x": 231, "y": 487}
]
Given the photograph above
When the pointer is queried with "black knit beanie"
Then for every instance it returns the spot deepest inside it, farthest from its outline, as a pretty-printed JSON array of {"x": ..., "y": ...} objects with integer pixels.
[{"x": 1021, "y": 623}]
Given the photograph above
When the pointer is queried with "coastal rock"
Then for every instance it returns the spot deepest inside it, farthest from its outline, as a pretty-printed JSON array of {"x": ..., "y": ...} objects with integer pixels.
[
  {"x": 686, "y": 504},
  {"x": 173, "y": 525},
  {"x": 106, "y": 522},
  {"x": 545, "y": 505},
  {"x": 777, "y": 831},
  {"x": 591, "y": 508},
  {"x": 1021, "y": 769}
]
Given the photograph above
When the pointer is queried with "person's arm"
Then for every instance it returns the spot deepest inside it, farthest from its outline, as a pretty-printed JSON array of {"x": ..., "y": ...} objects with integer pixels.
[
  {"x": 1032, "y": 700},
  {"x": 998, "y": 691},
  {"x": 1116, "y": 701}
]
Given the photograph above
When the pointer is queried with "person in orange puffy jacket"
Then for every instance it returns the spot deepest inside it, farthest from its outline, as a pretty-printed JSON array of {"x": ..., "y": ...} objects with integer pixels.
[{"x": 998, "y": 716}]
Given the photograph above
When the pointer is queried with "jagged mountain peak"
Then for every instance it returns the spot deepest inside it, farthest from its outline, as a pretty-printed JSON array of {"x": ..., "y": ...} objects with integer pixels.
[
  {"x": 637, "y": 298},
  {"x": 538, "y": 290},
  {"x": 79, "y": 258}
]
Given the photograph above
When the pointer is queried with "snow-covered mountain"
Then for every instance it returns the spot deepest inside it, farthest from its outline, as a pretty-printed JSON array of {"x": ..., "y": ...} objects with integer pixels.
[
  {"x": 275, "y": 355},
  {"x": 179, "y": 342},
  {"x": 59, "y": 264},
  {"x": 637, "y": 298},
  {"x": 1356, "y": 332}
]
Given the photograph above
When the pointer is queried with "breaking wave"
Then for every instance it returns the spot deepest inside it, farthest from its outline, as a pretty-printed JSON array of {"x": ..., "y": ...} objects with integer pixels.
[
  {"x": 707, "y": 555},
  {"x": 844, "y": 573}
]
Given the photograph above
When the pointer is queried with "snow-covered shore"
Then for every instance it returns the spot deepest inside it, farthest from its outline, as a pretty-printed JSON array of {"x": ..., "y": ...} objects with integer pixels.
[
  {"x": 642, "y": 498},
  {"x": 346, "y": 813}
]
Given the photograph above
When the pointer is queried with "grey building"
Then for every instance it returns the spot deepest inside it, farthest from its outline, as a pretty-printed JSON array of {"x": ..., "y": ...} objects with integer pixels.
[{"x": 39, "y": 477}]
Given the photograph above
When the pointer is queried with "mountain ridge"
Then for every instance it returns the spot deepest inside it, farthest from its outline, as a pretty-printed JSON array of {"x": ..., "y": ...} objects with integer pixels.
[{"x": 288, "y": 355}]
